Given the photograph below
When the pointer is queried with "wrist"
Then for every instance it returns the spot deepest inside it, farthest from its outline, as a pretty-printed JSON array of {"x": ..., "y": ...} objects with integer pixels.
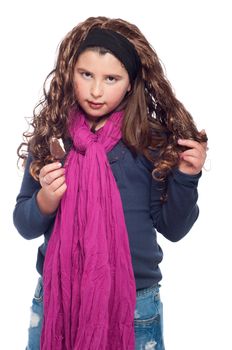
[{"x": 46, "y": 204}]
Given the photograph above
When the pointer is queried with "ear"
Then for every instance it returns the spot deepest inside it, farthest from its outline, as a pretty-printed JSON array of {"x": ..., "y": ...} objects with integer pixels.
[{"x": 129, "y": 88}]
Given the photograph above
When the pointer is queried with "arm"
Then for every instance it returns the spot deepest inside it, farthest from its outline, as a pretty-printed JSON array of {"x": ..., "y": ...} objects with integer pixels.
[
  {"x": 27, "y": 216},
  {"x": 175, "y": 217}
]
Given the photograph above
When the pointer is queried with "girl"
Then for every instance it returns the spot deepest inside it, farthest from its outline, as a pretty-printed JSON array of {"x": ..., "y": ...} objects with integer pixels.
[{"x": 132, "y": 165}]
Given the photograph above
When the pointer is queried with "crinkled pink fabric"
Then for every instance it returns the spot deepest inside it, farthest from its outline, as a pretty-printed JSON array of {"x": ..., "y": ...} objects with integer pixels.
[{"x": 89, "y": 286}]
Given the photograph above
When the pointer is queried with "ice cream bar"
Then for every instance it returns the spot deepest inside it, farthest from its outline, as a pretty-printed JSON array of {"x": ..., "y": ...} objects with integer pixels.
[{"x": 57, "y": 148}]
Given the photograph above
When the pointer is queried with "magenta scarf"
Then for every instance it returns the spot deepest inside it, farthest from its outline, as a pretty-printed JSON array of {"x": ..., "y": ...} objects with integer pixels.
[{"x": 89, "y": 286}]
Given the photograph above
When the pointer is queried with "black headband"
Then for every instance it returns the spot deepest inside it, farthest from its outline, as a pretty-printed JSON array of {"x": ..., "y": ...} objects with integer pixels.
[{"x": 120, "y": 47}]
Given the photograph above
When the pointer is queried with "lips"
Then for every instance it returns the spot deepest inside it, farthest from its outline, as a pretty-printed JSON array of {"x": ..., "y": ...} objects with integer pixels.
[{"x": 95, "y": 105}]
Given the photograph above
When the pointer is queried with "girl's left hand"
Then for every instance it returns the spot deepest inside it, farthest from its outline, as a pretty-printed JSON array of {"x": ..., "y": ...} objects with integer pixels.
[{"x": 192, "y": 160}]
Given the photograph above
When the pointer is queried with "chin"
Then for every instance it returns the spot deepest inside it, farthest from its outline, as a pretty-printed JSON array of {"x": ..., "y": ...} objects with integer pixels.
[{"x": 96, "y": 113}]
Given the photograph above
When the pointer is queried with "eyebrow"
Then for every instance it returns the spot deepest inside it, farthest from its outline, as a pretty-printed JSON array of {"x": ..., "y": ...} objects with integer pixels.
[{"x": 80, "y": 69}]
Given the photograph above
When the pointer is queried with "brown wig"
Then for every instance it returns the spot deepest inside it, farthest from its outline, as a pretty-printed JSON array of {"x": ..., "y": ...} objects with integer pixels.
[{"x": 154, "y": 118}]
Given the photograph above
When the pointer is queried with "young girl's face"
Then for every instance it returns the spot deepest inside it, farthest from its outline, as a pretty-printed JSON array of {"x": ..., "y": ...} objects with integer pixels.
[{"x": 100, "y": 83}]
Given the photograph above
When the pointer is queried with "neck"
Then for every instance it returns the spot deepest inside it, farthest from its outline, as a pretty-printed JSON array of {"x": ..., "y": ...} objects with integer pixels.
[{"x": 96, "y": 123}]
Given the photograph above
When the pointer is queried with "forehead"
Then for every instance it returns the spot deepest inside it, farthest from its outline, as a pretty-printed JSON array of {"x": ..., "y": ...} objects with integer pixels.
[{"x": 92, "y": 59}]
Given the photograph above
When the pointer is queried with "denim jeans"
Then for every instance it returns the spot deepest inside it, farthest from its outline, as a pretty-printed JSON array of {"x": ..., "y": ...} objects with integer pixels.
[
  {"x": 36, "y": 319},
  {"x": 148, "y": 319}
]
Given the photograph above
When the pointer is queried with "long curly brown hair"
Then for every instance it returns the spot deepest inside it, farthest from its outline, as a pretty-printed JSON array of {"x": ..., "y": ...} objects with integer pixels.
[{"x": 154, "y": 118}]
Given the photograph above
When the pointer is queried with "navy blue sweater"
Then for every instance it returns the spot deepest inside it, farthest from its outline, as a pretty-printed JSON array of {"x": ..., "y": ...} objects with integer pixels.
[{"x": 144, "y": 213}]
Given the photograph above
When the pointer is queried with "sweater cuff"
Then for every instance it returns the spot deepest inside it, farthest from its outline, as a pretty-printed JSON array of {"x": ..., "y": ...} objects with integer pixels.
[{"x": 186, "y": 179}]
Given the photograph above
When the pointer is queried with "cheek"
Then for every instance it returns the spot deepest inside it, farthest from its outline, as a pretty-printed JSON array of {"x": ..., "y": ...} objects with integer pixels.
[
  {"x": 77, "y": 89},
  {"x": 117, "y": 96}
]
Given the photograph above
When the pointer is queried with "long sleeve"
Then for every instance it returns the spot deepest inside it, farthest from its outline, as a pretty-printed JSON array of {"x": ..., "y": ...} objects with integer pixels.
[
  {"x": 27, "y": 217},
  {"x": 175, "y": 217}
]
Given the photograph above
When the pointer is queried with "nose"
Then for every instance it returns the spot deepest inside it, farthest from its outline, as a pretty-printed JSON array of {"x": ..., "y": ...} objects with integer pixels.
[{"x": 96, "y": 89}]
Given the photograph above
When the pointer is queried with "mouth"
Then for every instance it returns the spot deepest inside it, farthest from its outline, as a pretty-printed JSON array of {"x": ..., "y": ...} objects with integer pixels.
[{"x": 95, "y": 105}]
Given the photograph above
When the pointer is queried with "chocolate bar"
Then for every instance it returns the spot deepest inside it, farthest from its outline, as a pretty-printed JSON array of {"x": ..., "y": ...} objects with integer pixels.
[{"x": 57, "y": 148}]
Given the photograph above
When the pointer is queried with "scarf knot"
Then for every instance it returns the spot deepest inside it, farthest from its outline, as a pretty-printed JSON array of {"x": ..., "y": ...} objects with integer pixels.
[{"x": 83, "y": 138}]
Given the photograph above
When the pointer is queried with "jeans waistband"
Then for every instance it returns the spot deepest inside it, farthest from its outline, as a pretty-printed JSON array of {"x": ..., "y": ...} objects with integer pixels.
[{"x": 147, "y": 290}]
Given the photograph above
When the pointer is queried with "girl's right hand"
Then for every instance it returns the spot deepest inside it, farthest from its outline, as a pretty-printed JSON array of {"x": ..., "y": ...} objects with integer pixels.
[{"x": 53, "y": 187}]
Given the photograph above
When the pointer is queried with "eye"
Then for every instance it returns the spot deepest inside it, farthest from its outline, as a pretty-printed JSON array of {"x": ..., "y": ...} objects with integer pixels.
[
  {"x": 110, "y": 79},
  {"x": 86, "y": 75}
]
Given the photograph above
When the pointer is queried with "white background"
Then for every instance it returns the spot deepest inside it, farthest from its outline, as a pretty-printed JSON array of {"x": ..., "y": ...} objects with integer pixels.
[{"x": 193, "y": 40}]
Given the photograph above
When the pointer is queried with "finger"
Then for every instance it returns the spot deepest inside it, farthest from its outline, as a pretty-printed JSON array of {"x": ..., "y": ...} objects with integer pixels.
[
  {"x": 188, "y": 143},
  {"x": 49, "y": 167},
  {"x": 196, "y": 153},
  {"x": 43, "y": 181},
  {"x": 193, "y": 161},
  {"x": 201, "y": 146},
  {"x": 60, "y": 190},
  {"x": 46, "y": 178},
  {"x": 53, "y": 175},
  {"x": 199, "y": 152},
  {"x": 192, "y": 158},
  {"x": 191, "y": 152},
  {"x": 54, "y": 186}
]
